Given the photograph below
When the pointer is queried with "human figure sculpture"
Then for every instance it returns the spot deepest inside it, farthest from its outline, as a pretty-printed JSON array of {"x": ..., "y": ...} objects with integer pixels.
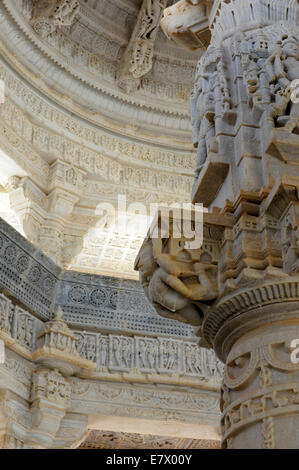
[{"x": 269, "y": 83}]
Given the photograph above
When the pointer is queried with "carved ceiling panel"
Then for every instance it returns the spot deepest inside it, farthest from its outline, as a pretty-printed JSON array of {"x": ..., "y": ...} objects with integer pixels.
[{"x": 119, "y": 440}]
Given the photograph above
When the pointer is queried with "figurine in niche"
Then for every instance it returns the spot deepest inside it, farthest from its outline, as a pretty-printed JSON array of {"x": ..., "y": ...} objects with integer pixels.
[
  {"x": 290, "y": 61},
  {"x": 203, "y": 115},
  {"x": 103, "y": 352},
  {"x": 269, "y": 83},
  {"x": 211, "y": 98},
  {"x": 152, "y": 352},
  {"x": 259, "y": 76}
]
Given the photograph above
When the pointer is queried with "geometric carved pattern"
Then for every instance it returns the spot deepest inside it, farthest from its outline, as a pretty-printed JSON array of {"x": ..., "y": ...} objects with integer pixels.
[
  {"x": 25, "y": 272},
  {"x": 86, "y": 300},
  {"x": 112, "y": 304}
]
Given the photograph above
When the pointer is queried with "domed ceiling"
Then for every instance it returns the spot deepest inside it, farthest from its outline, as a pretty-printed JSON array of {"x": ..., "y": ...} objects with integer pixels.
[
  {"x": 93, "y": 49},
  {"x": 96, "y": 105}
]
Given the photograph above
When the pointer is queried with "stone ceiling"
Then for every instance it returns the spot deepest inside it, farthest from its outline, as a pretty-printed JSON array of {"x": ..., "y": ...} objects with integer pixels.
[
  {"x": 78, "y": 128},
  {"x": 120, "y": 440}
]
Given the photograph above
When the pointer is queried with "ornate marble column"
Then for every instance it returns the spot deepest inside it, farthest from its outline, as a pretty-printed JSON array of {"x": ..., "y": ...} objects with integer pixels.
[{"x": 241, "y": 288}]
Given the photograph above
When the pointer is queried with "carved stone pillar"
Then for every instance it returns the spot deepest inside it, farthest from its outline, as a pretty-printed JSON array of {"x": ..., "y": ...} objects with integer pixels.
[
  {"x": 241, "y": 287},
  {"x": 260, "y": 392}
]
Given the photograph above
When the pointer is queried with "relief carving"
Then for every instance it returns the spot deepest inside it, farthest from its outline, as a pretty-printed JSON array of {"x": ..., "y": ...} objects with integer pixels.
[
  {"x": 47, "y": 15},
  {"x": 137, "y": 60}
]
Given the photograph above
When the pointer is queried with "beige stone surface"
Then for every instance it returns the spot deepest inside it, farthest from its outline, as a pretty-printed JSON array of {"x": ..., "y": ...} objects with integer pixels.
[{"x": 118, "y": 440}]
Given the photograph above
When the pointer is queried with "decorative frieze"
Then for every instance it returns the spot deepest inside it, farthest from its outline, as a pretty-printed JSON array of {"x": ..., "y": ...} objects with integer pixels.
[
  {"x": 145, "y": 355},
  {"x": 54, "y": 343},
  {"x": 100, "y": 164},
  {"x": 118, "y": 440},
  {"x": 53, "y": 143},
  {"x": 50, "y": 385},
  {"x": 172, "y": 403}
]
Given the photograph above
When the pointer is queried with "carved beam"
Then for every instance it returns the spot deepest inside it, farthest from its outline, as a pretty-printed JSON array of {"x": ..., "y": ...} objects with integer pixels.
[{"x": 137, "y": 60}]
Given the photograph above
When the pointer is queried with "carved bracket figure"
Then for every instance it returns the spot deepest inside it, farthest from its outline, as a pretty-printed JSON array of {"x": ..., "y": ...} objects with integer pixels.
[{"x": 137, "y": 60}]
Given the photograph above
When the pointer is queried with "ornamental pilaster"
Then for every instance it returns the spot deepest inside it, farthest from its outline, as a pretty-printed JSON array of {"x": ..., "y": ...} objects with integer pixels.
[
  {"x": 46, "y": 218},
  {"x": 36, "y": 383}
]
